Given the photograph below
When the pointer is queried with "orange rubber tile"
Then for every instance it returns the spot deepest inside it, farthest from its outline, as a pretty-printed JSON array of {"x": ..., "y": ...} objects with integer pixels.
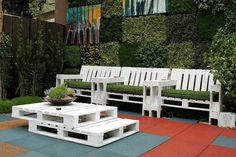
[
  {"x": 149, "y": 122},
  {"x": 12, "y": 124},
  {"x": 8, "y": 150},
  {"x": 230, "y": 133},
  {"x": 218, "y": 151},
  {"x": 167, "y": 128},
  {"x": 128, "y": 116},
  {"x": 189, "y": 143}
]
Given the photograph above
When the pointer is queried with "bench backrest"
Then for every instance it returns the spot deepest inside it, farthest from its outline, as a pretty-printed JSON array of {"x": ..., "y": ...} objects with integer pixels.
[
  {"x": 89, "y": 72},
  {"x": 136, "y": 76},
  {"x": 193, "y": 79}
]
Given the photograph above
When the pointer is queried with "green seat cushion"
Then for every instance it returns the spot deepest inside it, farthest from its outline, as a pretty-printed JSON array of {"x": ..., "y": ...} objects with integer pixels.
[
  {"x": 186, "y": 94},
  {"x": 126, "y": 89},
  {"x": 78, "y": 84}
]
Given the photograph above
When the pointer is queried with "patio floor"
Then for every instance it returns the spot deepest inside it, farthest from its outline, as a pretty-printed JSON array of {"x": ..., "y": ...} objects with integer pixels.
[{"x": 157, "y": 137}]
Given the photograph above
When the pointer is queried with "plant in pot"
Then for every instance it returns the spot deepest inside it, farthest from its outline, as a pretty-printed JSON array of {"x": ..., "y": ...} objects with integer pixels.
[{"x": 60, "y": 95}]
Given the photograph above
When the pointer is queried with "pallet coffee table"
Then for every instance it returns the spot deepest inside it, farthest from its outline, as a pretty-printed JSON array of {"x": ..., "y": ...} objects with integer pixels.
[{"x": 82, "y": 123}]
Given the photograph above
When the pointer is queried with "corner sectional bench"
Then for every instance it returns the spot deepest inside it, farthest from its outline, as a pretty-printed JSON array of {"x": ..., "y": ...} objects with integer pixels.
[{"x": 186, "y": 89}]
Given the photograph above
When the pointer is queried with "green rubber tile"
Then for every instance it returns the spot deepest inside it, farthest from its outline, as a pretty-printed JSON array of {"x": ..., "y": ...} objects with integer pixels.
[
  {"x": 35, "y": 141},
  {"x": 101, "y": 153},
  {"x": 32, "y": 154},
  {"x": 177, "y": 119},
  {"x": 65, "y": 149},
  {"x": 135, "y": 145},
  {"x": 6, "y": 117},
  {"x": 225, "y": 142},
  {"x": 14, "y": 134}
]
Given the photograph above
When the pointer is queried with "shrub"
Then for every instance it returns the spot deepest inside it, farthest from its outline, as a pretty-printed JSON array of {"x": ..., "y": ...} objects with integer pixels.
[
  {"x": 26, "y": 100},
  {"x": 58, "y": 92},
  {"x": 222, "y": 57},
  {"x": 151, "y": 54},
  {"x": 90, "y": 55},
  {"x": 127, "y": 54},
  {"x": 5, "y": 106},
  {"x": 110, "y": 54},
  {"x": 72, "y": 57},
  {"x": 180, "y": 55},
  {"x": 71, "y": 71},
  {"x": 182, "y": 6},
  {"x": 112, "y": 8},
  {"x": 181, "y": 28},
  {"x": 143, "y": 28}
]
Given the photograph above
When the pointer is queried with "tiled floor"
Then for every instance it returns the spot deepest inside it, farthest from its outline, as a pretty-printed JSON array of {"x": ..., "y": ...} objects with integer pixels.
[{"x": 157, "y": 138}]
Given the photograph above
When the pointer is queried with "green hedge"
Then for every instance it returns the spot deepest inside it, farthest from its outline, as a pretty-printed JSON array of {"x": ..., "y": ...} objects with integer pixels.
[
  {"x": 180, "y": 55},
  {"x": 182, "y": 6},
  {"x": 110, "y": 54},
  {"x": 208, "y": 24},
  {"x": 72, "y": 57},
  {"x": 125, "y": 89},
  {"x": 181, "y": 28},
  {"x": 78, "y": 84},
  {"x": 90, "y": 55},
  {"x": 127, "y": 54},
  {"x": 71, "y": 71},
  {"x": 143, "y": 28},
  {"x": 6, "y": 105},
  {"x": 112, "y": 8}
]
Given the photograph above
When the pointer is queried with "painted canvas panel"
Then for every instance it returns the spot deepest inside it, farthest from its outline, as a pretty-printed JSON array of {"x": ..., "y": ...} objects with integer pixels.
[
  {"x": 144, "y": 7},
  {"x": 83, "y": 25}
]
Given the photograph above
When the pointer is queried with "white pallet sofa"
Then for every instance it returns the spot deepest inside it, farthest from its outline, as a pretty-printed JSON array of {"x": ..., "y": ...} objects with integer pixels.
[
  {"x": 83, "y": 88},
  {"x": 205, "y": 93},
  {"x": 126, "y": 88}
]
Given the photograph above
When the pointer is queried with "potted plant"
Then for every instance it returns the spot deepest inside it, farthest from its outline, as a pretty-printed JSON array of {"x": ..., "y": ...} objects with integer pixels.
[{"x": 60, "y": 95}]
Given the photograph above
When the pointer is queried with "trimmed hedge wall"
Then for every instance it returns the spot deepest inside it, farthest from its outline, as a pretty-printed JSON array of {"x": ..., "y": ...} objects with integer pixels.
[
  {"x": 110, "y": 54},
  {"x": 143, "y": 28},
  {"x": 182, "y": 6},
  {"x": 181, "y": 28},
  {"x": 127, "y": 54}
]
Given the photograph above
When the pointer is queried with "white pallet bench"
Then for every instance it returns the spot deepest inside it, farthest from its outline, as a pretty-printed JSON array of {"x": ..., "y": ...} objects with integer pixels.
[{"x": 96, "y": 134}]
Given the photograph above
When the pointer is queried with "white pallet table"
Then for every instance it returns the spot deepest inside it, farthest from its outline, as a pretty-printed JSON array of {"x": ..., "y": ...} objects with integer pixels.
[
  {"x": 71, "y": 116},
  {"x": 96, "y": 134}
]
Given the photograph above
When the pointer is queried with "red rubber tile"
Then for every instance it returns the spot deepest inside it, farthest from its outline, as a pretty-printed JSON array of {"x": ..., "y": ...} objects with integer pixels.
[
  {"x": 149, "y": 122},
  {"x": 218, "y": 151},
  {"x": 188, "y": 143},
  {"x": 167, "y": 128},
  {"x": 230, "y": 133}
]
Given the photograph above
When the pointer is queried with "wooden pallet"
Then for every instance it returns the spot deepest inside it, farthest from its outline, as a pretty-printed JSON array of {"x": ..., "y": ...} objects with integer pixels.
[{"x": 96, "y": 134}]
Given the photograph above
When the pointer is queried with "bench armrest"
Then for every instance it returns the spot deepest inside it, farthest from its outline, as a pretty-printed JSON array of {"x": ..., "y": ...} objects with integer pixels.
[
  {"x": 107, "y": 80},
  {"x": 160, "y": 83},
  {"x": 60, "y": 78}
]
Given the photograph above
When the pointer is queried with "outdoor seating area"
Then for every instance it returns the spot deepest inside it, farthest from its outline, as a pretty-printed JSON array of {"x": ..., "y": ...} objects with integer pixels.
[{"x": 118, "y": 78}]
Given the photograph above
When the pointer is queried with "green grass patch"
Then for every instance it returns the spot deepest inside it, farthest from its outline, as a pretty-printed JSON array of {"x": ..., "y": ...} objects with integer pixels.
[
  {"x": 78, "y": 84},
  {"x": 5, "y": 106},
  {"x": 125, "y": 89},
  {"x": 26, "y": 100}
]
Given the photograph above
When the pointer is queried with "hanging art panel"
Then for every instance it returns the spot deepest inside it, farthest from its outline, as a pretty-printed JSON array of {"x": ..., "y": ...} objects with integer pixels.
[
  {"x": 144, "y": 7},
  {"x": 83, "y": 25}
]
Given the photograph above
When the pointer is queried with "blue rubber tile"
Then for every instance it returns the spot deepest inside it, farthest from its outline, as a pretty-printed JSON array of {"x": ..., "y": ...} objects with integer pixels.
[
  {"x": 130, "y": 113},
  {"x": 177, "y": 119},
  {"x": 34, "y": 142},
  {"x": 65, "y": 149},
  {"x": 6, "y": 117},
  {"x": 14, "y": 134},
  {"x": 135, "y": 145},
  {"x": 32, "y": 154},
  {"x": 225, "y": 142},
  {"x": 101, "y": 153}
]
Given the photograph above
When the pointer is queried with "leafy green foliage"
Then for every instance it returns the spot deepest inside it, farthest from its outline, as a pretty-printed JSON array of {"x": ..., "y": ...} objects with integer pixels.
[
  {"x": 5, "y": 106},
  {"x": 180, "y": 55},
  {"x": 78, "y": 84},
  {"x": 182, "y": 6},
  {"x": 117, "y": 88},
  {"x": 26, "y": 100},
  {"x": 110, "y": 54},
  {"x": 71, "y": 71},
  {"x": 73, "y": 3},
  {"x": 72, "y": 57},
  {"x": 151, "y": 54},
  {"x": 112, "y": 8},
  {"x": 181, "y": 28},
  {"x": 90, "y": 55},
  {"x": 222, "y": 57},
  {"x": 127, "y": 54},
  {"x": 58, "y": 92},
  {"x": 143, "y": 28},
  {"x": 5, "y": 63},
  {"x": 207, "y": 24}
]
